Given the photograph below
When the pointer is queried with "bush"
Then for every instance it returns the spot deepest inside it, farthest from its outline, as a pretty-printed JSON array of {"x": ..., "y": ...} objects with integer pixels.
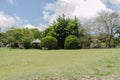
[
  {"x": 49, "y": 42},
  {"x": 1, "y": 44},
  {"x": 95, "y": 43},
  {"x": 71, "y": 42}
]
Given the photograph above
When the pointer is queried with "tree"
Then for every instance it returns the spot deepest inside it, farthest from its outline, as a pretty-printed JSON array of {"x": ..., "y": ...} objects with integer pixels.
[
  {"x": 49, "y": 42},
  {"x": 62, "y": 28},
  {"x": 50, "y": 31},
  {"x": 73, "y": 27},
  {"x": 27, "y": 38},
  {"x": 37, "y": 33},
  {"x": 19, "y": 37},
  {"x": 108, "y": 22},
  {"x": 117, "y": 38},
  {"x": 14, "y": 37},
  {"x": 71, "y": 42}
]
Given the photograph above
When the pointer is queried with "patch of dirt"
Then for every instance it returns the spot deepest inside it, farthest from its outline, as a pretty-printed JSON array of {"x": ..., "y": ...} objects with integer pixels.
[
  {"x": 110, "y": 77},
  {"x": 83, "y": 77}
]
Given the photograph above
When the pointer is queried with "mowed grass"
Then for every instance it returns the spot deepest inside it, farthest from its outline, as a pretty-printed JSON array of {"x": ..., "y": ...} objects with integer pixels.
[{"x": 19, "y": 64}]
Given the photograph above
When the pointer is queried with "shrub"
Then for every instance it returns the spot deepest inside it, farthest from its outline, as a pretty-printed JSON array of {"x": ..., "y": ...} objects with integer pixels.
[
  {"x": 49, "y": 42},
  {"x": 1, "y": 44},
  {"x": 71, "y": 42}
]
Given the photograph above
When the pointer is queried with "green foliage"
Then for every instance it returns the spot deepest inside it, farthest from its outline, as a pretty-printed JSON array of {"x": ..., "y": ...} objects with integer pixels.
[
  {"x": 3, "y": 38},
  {"x": 107, "y": 32},
  {"x": 1, "y": 44},
  {"x": 117, "y": 38},
  {"x": 0, "y": 36},
  {"x": 19, "y": 37},
  {"x": 27, "y": 38},
  {"x": 117, "y": 41},
  {"x": 71, "y": 42},
  {"x": 62, "y": 28},
  {"x": 73, "y": 27},
  {"x": 85, "y": 40},
  {"x": 50, "y": 31},
  {"x": 37, "y": 34},
  {"x": 14, "y": 37},
  {"x": 49, "y": 42},
  {"x": 96, "y": 43}
]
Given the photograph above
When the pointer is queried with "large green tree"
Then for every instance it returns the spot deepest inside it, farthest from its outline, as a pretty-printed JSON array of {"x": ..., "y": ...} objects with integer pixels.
[{"x": 62, "y": 28}]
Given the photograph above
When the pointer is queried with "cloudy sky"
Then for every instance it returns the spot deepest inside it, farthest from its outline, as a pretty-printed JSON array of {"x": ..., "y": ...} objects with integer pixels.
[{"x": 40, "y": 13}]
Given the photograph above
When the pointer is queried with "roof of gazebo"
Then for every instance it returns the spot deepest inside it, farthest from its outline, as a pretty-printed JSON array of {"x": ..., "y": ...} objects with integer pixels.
[{"x": 37, "y": 41}]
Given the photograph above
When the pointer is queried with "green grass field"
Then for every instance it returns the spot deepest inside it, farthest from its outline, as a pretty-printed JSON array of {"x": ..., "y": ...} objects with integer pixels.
[{"x": 18, "y": 64}]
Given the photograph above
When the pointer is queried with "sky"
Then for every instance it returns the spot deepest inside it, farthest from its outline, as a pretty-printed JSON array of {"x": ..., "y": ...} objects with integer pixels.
[{"x": 41, "y": 13}]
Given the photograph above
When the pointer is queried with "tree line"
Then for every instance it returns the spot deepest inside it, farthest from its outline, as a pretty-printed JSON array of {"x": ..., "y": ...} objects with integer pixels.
[{"x": 68, "y": 33}]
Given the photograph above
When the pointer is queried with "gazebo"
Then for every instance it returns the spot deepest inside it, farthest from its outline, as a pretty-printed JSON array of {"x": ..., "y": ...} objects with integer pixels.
[{"x": 36, "y": 43}]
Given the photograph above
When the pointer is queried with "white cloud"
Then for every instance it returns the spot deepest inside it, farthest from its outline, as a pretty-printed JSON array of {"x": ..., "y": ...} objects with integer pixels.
[
  {"x": 18, "y": 21},
  {"x": 29, "y": 26},
  {"x": 116, "y": 2},
  {"x": 71, "y": 8},
  {"x": 10, "y": 21},
  {"x": 41, "y": 27},
  {"x": 6, "y": 20},
  {"x": 11, "y": 1},
  {"x": 46, "y": 15}
]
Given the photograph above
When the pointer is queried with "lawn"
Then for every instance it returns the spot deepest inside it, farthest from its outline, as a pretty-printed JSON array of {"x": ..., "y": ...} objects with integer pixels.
[{"x": 83, "y": 64}]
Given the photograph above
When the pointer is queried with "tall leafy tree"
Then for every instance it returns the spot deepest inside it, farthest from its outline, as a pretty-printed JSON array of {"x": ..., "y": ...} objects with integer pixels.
[
  {"x": 60, "y": 29},
  {"x": 64, "y": 27}
]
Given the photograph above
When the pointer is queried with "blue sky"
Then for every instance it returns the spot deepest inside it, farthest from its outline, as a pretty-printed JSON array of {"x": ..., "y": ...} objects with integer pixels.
[
  {"x": 40, "y": 13},
  {"x": 30, "y": 10}
]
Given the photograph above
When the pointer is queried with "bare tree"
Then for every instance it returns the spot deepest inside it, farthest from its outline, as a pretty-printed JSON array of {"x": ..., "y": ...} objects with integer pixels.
[{"x": 108, "y": 23}]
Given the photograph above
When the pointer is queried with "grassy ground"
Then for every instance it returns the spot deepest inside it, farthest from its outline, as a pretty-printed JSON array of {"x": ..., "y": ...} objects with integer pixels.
[{"x": 101, "y": 64}]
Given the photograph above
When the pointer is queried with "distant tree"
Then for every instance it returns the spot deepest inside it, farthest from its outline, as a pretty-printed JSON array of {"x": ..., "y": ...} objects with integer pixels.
[
  {"x": 19, "y": 37},
  {"x": 14, "y": 37},
  {"x": 1, "y": 44},
  {"x": 85, "y": 41},
  {"x": 0, "y": 37},
  {"x": 3, "y": 38},
  {"x": 27, "y": 38},
  {"x": 108, "y": 22},
  {"x": 117, "y": 33},
  {"x": 117, "y": 38}
]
